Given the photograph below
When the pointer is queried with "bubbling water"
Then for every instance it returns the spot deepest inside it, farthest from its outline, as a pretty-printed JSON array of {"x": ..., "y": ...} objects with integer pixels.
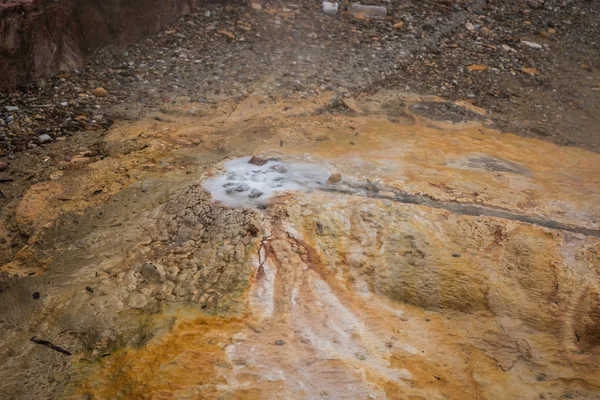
[{"x": 247, "y": 185}]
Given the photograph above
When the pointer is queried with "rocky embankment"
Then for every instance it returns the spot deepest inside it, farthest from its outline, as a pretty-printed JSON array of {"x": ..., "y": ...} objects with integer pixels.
[{"x": 40, "y": 38}]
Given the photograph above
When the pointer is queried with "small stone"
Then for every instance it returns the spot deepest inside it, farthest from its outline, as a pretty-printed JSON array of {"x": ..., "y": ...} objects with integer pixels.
[
  {"x": 36, "y": 295},
  {"x": 455, "y": 255},
  {"x": 68, "y": 158},
  {"x": 154, "y": 273},
  {"x": 399, "y": 25},
  {"x": 98, "y": 118},
  {"x": 226, "y": 33},
  {"x": 361, "y": 356},
  {"x": 11, "y": 108},
  {"x": 257, "y": 161},
  {"x": 3, "y": 165},
  {"x": 476, "y": 67},
  {"x": 44, "y": 138},
  {"x": 508, "y": 48},
  {"x": 351, "y": 104},
  {"x": 100, "y": 92},
  {"x": 256, "y": 6},
  {"x": 255, "y": 193},
  {"x": 540, "y": 378},
  {"x": 280, "y": 342},
  {"x": 530, "y": 71},
  {"x": 330, "y": 8},
  {"x": 279, "y": 169},
  {"x": 470, "y": 27},
  {"x": 242, "y": 187},
  {"x": 89, "y": 289},
  {"x": 533, "y": 45},
  {"x": 334, "y": 178}
]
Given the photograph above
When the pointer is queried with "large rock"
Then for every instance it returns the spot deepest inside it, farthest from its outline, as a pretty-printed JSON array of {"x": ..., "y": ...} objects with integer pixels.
[{"x": 41, "y": 38}]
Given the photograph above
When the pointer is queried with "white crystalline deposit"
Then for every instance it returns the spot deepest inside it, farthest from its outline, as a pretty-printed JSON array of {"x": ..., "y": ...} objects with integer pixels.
[{"x": 247, "y": 185}]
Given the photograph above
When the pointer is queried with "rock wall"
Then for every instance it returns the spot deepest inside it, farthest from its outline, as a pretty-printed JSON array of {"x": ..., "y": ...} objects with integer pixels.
[{"x": 39, "y": 38}]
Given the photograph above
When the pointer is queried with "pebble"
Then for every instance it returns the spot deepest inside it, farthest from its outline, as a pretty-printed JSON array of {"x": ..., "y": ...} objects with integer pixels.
[
  {"x": 280, "y": 342},
  {"x": 255, "y": 193},
  {"x": 44, "y": 138},
  {"x": 154, "y": 273},
  {"x": 3, "y": 165},
  {"x": 399, "y": 25},
  {"x": 533, "y": 45},
  {"x": 470, "y": 27},
  {"x": 256, "y": 6},
  {"x": 334, "y": 178},
  {"x": 11, "y": 108},
  {"x": 98, "y": 117},
  {"x": 257, "y": 161},
  {"x": 361, "y": 356},
  {"x": 100, "y": 92}
]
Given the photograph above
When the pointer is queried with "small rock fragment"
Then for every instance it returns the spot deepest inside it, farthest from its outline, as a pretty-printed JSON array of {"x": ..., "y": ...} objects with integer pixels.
[
  {"x": 330, "y": 8},
  {"x": 399, "y": 25},
  {"x": 533, "y": 45},
  {"x": 226, "y": 33},
  {"x": 279, "y": 169},
  {"x": 334, "y": 178},
  {"x": 44, "y": 138},
  {"x": 256, "y": 6},
  {"x": 257, "y": 161},
  {"x": 470, "y": 27},
  {"x": 154, "y": 273},
  {"x": 100, "y": 92},
  {"x": 364, "y": 11},
  {"x": 242, "y": 187},
  {"x": 280, "y": 342},
  {"x": 11, "y": 108},
  {"x": 36, "y": 295},
  {"x": 351, "y": 104},
  {"x": 476, "y": 67},
  {"x": 361, "y": 356},
  {"x": 3, "y": 165},
  {"x": 530, "y": 71},
  {"x": 255, "y": 193}
]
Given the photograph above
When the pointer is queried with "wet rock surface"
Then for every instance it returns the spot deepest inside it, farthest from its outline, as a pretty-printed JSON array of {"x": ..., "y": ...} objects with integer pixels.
[{"x": 390, "y": 280}]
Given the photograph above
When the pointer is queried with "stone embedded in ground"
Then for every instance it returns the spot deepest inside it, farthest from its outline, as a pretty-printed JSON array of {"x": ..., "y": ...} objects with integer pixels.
[
  {"x": 334, "y": 178},
  {"x": 44, "y": 138},
  {"x": 279, "y": 169},
  {"x": 100, "y": 92},
  {"x": 257, "y": 161},
  {"x": 3, "y": 165},
  {"x": 255, "y": 193},
  {"x": 152, "y": 272}
]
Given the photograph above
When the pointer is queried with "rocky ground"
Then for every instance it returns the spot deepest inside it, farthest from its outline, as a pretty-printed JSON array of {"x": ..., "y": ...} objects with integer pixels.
[
  {"x": 443, "y": 258},
  {"x": 533, "y": 65}
]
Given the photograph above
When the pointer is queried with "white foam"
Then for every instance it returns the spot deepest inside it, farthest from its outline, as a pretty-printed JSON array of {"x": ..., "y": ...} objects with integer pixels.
[{"x": 247, "y": 185}]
